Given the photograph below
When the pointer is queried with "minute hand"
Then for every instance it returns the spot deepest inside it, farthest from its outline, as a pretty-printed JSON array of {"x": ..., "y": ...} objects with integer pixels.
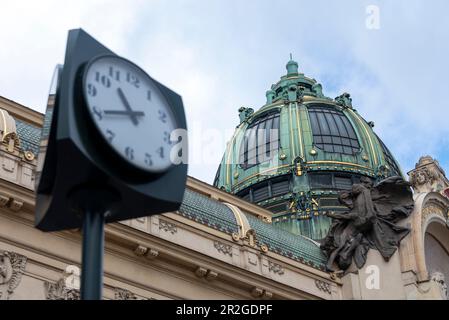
[
  {"x": 127, "y": 106},
  {"x": 127, "y": 113}
]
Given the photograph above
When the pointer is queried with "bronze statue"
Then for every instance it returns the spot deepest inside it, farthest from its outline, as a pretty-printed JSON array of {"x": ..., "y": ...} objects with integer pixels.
[{"x": 370, "y": 222}]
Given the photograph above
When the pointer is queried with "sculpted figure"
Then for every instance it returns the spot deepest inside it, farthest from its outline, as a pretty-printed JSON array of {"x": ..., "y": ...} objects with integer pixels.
[{"x": 370, "y": 222}]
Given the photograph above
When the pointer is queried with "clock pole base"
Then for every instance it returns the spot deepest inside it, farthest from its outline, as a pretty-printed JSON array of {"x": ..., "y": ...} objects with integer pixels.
[{"x": 92, "y": 256}]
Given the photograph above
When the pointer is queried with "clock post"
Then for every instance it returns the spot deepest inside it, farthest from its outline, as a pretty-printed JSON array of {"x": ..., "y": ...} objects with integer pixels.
[
  {"x": 94, "y": 204},
  {"x": 92, "y": 258},
  {"x": 96, "y": 162}
]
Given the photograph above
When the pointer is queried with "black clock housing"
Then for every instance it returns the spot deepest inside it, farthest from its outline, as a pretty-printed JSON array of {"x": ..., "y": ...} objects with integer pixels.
[{"x": 81, "y": 172}]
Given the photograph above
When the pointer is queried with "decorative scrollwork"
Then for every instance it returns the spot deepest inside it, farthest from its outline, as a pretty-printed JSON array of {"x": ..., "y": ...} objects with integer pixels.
[
  {"x": 323, "y": 286},
  {"x": 275, "y": 268},
  {"x": 59, "y": 291},
  {"x": 223, "y": 248},
  {"x": 123, "y": 294},
  {"x": 432, "y": 209},
  {"x": 167, "y": 226},
  {"x": 12, "y": 267}
]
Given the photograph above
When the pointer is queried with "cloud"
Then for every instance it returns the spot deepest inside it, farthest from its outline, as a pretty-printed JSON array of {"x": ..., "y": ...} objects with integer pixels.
[{"x": 223, "y": 55}]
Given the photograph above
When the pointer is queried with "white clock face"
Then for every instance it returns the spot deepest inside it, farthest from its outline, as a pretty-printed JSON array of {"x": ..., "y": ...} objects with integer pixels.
[{"x": 130, "y": 112}]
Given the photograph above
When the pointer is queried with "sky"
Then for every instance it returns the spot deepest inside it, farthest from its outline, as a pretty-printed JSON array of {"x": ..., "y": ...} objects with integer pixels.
[{"x": 391, "y": 56}]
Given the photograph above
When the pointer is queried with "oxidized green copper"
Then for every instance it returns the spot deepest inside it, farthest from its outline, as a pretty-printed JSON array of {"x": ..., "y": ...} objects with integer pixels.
[{"x": 292, "y": 184}]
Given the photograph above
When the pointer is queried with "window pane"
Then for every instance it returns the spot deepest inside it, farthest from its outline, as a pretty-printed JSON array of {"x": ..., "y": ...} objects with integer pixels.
[
  {"x": 328, "y": 148},
  {"x": 336, "y": 140},
  {"x": 332, "y": 125},
  {"x": 332, "y": 131},
  {"x": 260, "y": 194},
  {"x": 314, "y": 123},
  {"x": 280, "y": 187},
  {"x": 320, "y": 180},
  {"x": 259, "y": 141},
  {"x": 341, "y": 127},
  {"x": 355, "y": 143},
  {"x": 268, "y": 126},
  {"x": 338, "y": 149},
  {"x": 323, "y": 124},
  {"x": 349, "y": 128},
  {"x": 347, "y": 150},
  {"x": 343, "y": 182},
  {"x": 276, "y": 122}
]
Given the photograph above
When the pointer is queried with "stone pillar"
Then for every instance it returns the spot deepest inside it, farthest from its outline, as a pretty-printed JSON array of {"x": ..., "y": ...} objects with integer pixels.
[{"x": 377, "y": 280}]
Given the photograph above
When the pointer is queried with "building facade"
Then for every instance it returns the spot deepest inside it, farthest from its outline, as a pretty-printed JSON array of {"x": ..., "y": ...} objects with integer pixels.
[{"x": 255, "y": 234}]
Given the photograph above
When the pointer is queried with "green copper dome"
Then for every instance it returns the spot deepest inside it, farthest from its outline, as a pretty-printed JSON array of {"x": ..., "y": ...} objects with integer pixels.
[{"x": 294, "y": 154}]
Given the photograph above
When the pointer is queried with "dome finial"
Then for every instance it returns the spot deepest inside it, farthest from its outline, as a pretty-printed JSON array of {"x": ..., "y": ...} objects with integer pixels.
[{"x": 292, "y": 66}]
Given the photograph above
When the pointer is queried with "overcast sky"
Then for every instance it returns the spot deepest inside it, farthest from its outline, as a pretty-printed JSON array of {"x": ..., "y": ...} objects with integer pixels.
[{"x": 221, "y": 55}]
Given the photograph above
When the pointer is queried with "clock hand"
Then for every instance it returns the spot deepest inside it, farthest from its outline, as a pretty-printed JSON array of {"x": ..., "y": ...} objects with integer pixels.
[
  {"x": 129, "y": 113},
  {"x": 127, "y": 106}
]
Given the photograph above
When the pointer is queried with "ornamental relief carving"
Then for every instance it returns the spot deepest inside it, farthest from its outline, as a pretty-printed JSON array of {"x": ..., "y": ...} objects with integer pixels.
[
  {"x": 428, "y": 176},
  {"x": 12, "y": 267},
  {"x": 59, "y": 291},
  {"x": 167, "y": 226},
  {"x": 67, "y": 287},
  {"x": 439, "y": 280},
  {"x": 223, "y": 248},
  {"x": 275, "y": 268},
  {"x": 123, "y": 294},
  {"x": 323, "y": 286},
  {"x": 432, "y": 209}
]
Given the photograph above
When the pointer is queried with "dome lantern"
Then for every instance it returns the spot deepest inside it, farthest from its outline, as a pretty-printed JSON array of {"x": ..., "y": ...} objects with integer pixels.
[{"x": 292, "y": 67}]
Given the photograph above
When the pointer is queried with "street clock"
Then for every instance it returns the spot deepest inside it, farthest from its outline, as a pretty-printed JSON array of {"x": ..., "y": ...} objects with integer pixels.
[{"x": 108, "y": 141}]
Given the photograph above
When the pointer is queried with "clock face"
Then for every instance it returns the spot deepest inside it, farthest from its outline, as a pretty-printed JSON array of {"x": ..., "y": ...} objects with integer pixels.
[{"x": 130, "y": 112}]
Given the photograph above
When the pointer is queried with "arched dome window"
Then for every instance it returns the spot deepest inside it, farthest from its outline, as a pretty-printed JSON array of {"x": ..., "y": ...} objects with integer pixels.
[
  {"x": 260, "y": 141},
  {"x": 332, "y": 131}
]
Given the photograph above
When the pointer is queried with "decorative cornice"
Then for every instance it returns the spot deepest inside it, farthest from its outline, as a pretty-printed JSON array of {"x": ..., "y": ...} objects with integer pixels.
[
  {"x": 202, "y": 272},
  {"x": 140, "y": 250},
  {"x": 149, "y": 253},
  {"x": 261, "y": 293},
  {"x": 22, "y": 112}
]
